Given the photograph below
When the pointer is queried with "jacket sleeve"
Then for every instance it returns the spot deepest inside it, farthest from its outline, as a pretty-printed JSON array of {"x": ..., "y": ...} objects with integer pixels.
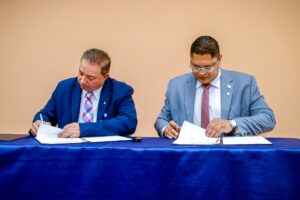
[
  {"x": 165, "y": 114},
  {"x": 261, "y": 117}
]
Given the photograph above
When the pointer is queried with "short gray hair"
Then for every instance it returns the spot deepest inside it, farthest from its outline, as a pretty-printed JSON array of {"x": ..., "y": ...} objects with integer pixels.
[{"x": 99, "y": 57}]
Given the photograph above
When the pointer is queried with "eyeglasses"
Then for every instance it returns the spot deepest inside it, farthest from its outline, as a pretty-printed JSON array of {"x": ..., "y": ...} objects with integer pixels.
[{"x": 207, "y": 68}]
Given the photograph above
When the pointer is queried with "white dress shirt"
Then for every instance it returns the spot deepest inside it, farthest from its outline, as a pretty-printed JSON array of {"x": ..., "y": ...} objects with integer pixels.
[
  {"x": 95, "y": 100},
  {"x": 214, "y": 100}
]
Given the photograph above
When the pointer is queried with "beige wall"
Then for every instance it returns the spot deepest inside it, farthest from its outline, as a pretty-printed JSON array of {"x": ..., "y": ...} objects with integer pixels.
[{"x": 41, "y": 43}]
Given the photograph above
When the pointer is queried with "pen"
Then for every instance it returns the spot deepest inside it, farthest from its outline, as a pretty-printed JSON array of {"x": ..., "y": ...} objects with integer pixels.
[
  {"x": 221, "y": 138},
  {"x": 41, "y": 118}
]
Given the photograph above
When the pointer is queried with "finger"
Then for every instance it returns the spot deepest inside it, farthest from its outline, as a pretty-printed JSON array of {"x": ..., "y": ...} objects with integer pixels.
[
  {"x": 33, "y": 132},
  {"x": 64, "y": 134},
  {"x": 210, "y": 130},
  {"x": 222, "y": 126},
  {"x": 35, "y": 127},
  {"x": 172, "y": 131},
  {"x": 216, "y": 131},
  {"x": 39, "y": 122},
  {"x": 178, "y": 129},
  {"x": 174, "y": 125},
  {"x": 72, "y": 136},
  {"x": 219, "y": 128},
  {"x": 168, "y": 133},
  {"x": 169, "y": 136}
]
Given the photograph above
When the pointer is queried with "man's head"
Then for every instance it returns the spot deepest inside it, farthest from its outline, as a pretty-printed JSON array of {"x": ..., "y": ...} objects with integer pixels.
[
  {"x": 205, "y": 59},
  {"x": 93, "y": 70}
]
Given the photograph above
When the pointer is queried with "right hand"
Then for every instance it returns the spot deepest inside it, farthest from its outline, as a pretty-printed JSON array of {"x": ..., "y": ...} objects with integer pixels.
[
  {"x": 172, "y": 130},
  {"x": 35, "y": 127}
]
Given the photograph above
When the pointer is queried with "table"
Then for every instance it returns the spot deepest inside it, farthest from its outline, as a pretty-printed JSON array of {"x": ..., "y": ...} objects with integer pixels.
[{"x": 152, "y": 169}]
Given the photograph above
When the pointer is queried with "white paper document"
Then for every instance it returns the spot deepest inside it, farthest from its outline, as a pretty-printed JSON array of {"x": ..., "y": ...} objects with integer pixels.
[
  {"x": 245, "y": 140},
  {"x": 47, "y": 131},
  {"x": 59, "y": 140},
  {"x": 49, "y": 135},
  {"x": 194, "y": 135},
  {"x": 114, "y": 138}
]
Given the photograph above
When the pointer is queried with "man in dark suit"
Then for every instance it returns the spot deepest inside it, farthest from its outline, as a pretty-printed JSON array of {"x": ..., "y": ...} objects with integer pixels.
[
  {"x": 93, "y": 104},
  {"x": 218, "y": 100}
]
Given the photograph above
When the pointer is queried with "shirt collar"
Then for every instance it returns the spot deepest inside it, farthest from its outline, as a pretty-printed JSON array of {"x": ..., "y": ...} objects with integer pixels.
[
  {"x": 95, "y": 92},
  {"x": 215, "y": 82}
]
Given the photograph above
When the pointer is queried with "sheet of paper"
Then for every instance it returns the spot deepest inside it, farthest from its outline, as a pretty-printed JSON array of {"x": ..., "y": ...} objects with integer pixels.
[
  {"x": 44, "y": 140},
  {"x": 47, "y": 131},
  {"x": 245, "y": 140},
  {"x": 107, "y": 139},
  {"x": 49, "y": 135},
  {"x": 192, "y": 134},
  {"x": 195, "y": 135}
]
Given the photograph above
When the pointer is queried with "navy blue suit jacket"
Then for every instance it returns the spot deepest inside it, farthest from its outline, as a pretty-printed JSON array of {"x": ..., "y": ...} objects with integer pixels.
[{"x": 116, "y": 110}]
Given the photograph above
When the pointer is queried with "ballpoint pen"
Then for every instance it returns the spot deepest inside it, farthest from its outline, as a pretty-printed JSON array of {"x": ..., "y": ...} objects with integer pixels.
[
  {"x": 41, "y": 117},
  {"x": 221, "y": 138}
]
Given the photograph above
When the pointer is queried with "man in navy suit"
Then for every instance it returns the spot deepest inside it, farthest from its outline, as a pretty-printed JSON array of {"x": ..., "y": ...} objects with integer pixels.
[
  {"x": 235, "y": 105},
  {"x": 93, "y": 104}
]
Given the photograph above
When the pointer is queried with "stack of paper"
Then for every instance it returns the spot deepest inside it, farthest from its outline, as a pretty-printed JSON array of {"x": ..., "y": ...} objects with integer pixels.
[
  {"x": 49, "y": 135},
  {"x": 195, "y": 135}
]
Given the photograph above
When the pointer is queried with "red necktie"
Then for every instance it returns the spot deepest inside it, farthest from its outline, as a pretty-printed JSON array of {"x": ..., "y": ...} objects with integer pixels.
[{"x": 205, "y": 106}]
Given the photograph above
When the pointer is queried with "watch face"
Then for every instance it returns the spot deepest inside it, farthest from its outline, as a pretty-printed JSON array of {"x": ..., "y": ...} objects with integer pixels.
[{"x": 233, "y": 123}]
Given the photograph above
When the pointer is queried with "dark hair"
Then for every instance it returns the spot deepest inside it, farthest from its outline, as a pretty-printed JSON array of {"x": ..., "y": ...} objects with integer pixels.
[
  {"x": 205, "y": 45},
  {"x": 99, "y": 57}
]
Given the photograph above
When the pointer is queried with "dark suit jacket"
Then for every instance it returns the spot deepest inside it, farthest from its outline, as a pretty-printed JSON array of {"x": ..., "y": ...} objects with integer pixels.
[{"x": 116, "y": 110}]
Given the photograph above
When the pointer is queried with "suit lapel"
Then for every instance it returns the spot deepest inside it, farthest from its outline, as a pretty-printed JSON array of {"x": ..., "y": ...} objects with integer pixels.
[
  {"x": 75, "y": 101},
  {"x": 227, "y": 86},
  {"x": 106, "y": 92},
  {"x": 189, "y": 98}
]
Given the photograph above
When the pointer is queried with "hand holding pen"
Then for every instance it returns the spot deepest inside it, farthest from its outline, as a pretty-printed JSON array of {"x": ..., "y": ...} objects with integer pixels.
[
  {"x": 35, "y": 125},
  {"x": 172, "y": 130}
]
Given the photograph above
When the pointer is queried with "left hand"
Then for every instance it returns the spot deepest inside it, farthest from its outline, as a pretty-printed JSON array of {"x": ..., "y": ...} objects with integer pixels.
[
  {"x": 70, "y": 131},
  {"x": 218, "y": 126}
]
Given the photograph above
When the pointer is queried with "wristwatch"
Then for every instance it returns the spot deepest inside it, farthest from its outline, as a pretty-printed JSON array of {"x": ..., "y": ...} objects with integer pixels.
[{"x": 233, "y": 126}]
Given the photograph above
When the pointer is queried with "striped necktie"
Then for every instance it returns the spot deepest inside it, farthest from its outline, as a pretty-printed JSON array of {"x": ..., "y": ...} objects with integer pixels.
[
  {"x": 205, "y": 106},
  {"x": 88, "y": 112}
]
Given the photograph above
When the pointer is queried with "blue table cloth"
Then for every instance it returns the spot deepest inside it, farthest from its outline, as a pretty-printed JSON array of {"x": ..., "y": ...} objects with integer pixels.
[{"x": 151, "y": 169}]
